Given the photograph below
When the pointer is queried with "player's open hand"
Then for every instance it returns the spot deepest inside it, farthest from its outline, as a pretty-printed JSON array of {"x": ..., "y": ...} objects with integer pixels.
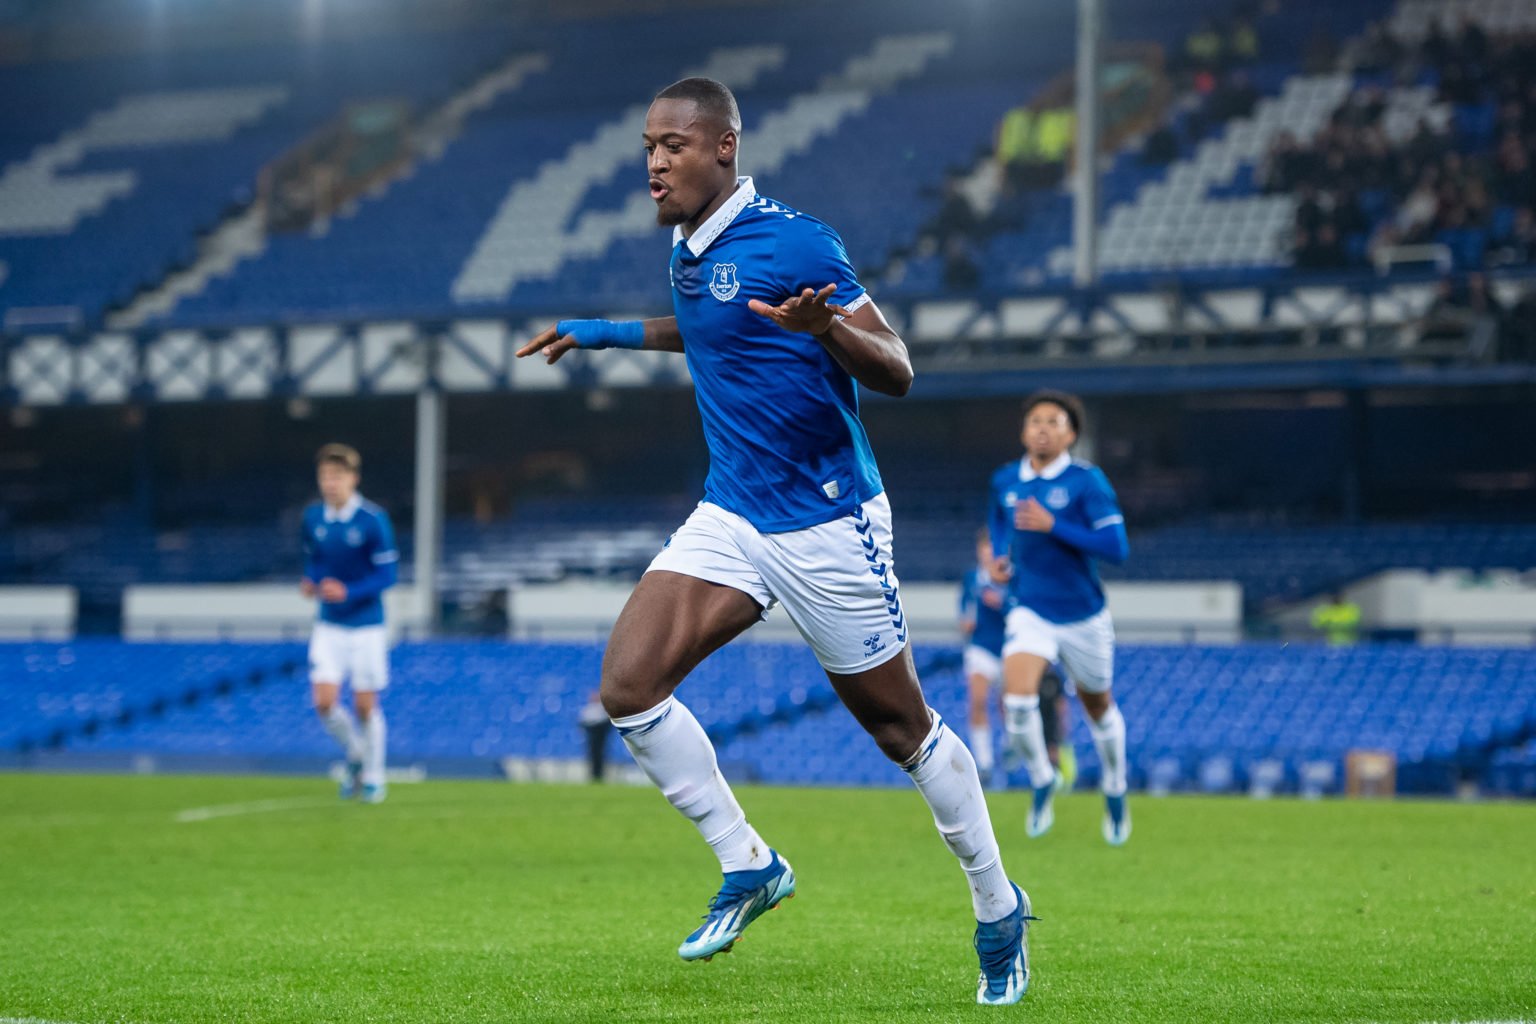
[
  {"x": 332, "y": 590},
  {"x": 550, "y": 342},
  {"x": 1032, "y": 516},
  {"x": 1001, "y": 569},
  {"x": 806, "y": 313}
]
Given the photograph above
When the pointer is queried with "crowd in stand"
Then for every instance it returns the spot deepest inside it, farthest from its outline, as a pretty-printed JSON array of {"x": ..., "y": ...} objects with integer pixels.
[{"x": 1467, "y": 185}]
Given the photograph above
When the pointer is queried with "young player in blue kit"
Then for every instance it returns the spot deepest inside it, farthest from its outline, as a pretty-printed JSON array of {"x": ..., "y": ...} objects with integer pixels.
[
  {"x": 794, "y": 512},
  {"x": 982, "y": 607},
  {"x": 349, "y": 561},
  {"x": 1051, "y": 517}
]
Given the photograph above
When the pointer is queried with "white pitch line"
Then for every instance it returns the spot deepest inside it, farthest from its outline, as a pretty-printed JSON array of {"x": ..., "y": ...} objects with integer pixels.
[{"x": 249, "y": 807}]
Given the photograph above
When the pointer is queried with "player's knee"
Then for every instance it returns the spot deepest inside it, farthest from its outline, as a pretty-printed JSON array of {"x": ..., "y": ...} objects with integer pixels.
[
  {"x": 978, "y": 704},
  {"x": 629, "y": 687},
  {"x": 1094, "y": 703},
  {"x": 323, "y": 705},
  {"x": 899, "y": 740}
]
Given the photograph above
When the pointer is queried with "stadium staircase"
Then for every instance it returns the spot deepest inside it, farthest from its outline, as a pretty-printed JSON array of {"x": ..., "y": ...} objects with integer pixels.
[{"x": 243, "y": 235}]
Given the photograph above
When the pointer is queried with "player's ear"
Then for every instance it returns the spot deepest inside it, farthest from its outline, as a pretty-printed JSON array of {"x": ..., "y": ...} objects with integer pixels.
[{"x": 725, "y": 150}]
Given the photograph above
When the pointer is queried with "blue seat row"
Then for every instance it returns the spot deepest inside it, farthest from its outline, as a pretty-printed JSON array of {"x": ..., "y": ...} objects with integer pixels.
[{"x": 1198, "y": 717}]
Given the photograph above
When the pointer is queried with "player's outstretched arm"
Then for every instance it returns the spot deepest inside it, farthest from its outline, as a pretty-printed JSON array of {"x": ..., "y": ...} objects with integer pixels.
[
  {"x": 656, "y": 335},
  {"x": 861, "y": 341}
]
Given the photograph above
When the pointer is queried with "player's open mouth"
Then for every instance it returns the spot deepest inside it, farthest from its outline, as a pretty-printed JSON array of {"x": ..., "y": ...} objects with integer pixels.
[{"x": 659, "y": 191}]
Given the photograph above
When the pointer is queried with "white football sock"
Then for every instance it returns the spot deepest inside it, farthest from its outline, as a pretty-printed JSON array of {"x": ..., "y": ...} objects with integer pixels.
[
  {"x": 944, "y": 772},
  {"x": 339, "y": 723},
  {"x": 374, "y": 734},
  {"x": 670, "y": 746},
  {"x": 1027, "y": 735},
  {"x": 1109, "y": 739},
  {"x": 981, "y": 746}
]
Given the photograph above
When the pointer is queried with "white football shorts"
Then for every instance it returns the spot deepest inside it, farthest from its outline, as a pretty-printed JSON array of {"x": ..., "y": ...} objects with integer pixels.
[
  {"x": 355, "y": 654},
  {"x": 981, "y": 662},
  {"x": 836, "y": 580},
  {"x": 1086, "y": 649}
]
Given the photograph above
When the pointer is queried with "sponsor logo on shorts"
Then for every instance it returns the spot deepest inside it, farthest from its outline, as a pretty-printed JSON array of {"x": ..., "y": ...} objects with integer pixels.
[{"x": 873, "y": 645}]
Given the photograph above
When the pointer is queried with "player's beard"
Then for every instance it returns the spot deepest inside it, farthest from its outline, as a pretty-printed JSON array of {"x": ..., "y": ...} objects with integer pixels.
[{"x": 669, "y": 216}]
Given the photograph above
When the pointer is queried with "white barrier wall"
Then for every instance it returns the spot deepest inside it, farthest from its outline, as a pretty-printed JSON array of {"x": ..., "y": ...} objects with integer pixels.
[
  {"x": 38, "y": 613},
  {"x": 1143, "y": 612},
  {"x": 242, "y": 611},
  {"x": 1450, "y": 606}
]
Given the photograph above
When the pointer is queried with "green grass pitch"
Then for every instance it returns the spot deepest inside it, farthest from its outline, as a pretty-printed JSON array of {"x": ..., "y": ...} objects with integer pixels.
[{"x": 499, "y": 903}]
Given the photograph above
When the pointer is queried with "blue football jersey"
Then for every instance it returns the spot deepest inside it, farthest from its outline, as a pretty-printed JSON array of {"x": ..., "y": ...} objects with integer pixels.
[
  {"x": 355, "y": 545},
  {"x": 975, "y": 608},
  {"x": 1056, "y": 580},
  {"x": 781, "y": 418}
]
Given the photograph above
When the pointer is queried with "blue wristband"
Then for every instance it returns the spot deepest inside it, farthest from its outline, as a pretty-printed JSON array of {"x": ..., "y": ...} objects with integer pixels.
[{"x": 594, "y": 334}]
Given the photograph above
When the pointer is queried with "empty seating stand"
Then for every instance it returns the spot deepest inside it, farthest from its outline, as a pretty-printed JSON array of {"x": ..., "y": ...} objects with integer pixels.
[{"x": 1199, "y": 718}]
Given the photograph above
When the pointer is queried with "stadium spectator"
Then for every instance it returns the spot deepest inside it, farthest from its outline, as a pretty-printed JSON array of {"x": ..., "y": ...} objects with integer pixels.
[
  {"x": 1204, "y": 48},
  {"x": 1162, "y": 147},
  {"x": 1516, "y": 242},
  {"x": 1465, "y": 308},
  {"x": 1378, "y": 51},
  {"x": 1319, "y": 249},
  {"x": 1338, "y": 620},
  {"x": 961, "y": 274},
  {"x": 598, "y": 727},
  {"x": 1229, "y": 96},
  {"x": 956, "y": 216}
]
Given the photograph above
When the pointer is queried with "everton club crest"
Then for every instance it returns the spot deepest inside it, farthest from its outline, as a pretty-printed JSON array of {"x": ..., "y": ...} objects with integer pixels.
[{"x": 722, "y": 283}]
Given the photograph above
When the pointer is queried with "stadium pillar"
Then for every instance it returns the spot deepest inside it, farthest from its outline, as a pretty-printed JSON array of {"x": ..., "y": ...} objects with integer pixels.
[
  {"x": 1085, "y": 175},
  {"x": 431, "y": 451}
]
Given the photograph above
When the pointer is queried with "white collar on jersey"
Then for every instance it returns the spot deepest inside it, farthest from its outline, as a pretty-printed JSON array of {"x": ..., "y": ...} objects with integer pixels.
[
  {"x": 720, "y": 219},
  {"x": 1057, "y": 467},
  {"x": 346, "y": 512}
]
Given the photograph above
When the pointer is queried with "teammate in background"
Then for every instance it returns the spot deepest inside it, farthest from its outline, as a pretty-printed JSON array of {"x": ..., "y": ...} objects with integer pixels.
[
  {"x": 794, "y": 512},
  {"x": 982, "y": 604},
  {"x": 1056, "y": 725},
  {"x": 349, "y": 561},
  {"x": 1051, "y": 516}
]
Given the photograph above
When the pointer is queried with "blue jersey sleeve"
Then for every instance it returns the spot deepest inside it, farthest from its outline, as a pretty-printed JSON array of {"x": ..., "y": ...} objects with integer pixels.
[
  {"x": 1000, "y": 519},
  {"x": 810, "y": 254},
  {"x": 1100, "y": 503},
  {"x": 1104, "y": 536},
  {"x": 385, "y": 558}
]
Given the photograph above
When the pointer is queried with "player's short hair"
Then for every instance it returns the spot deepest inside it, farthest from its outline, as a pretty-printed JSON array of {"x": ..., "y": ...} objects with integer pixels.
[
  {"x": 1070, "y": 404},
  {"x": 711, "y": 97},
  {"x": 343, "y": 455}
]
